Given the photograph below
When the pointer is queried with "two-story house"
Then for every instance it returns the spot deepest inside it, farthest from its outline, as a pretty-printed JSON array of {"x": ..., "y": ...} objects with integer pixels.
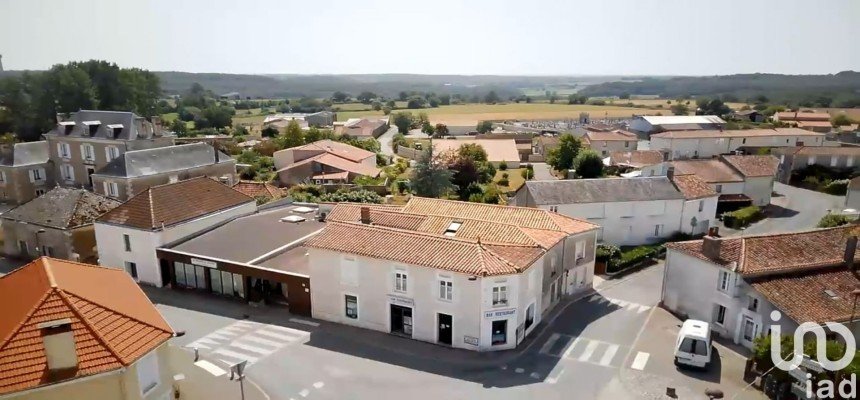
[
  {"x": 605, "y": 142},
  {"x": 324, "y": 161},
  {"x": 88, "y": 140},
  {"x": 736, "y": 283},
  {"x": 796, "y": 158},
  {"x": 79, "y": 331},
  {"x": 129, "y": 235},
  {"x": 466, "y": 275},
  {"x": 630, "y": 211},
  {"x": 25, "y": 172}
]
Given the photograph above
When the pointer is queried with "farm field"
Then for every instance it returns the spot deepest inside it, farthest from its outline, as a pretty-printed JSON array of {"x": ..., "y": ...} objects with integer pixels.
[{"x": 471, "y": 114}]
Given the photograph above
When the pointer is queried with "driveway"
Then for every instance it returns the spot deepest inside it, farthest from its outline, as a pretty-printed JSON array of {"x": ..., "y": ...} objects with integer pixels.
[
  {"x": 793, "y": 209},
  {"x": 385, "y": 141},
  {"x": 542, "y": 172}
]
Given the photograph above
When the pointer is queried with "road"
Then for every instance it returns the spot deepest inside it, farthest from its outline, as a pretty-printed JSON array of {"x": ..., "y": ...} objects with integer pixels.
[
  {"x": 385, "y": 141},
  {"x": 542, "y": 172},
  {"x": 793, "y": 209},
  {"x": 609, "y": 345}
]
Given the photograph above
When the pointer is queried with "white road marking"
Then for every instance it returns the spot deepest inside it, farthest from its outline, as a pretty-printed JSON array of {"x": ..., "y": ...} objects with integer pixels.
[
  {"x": 276, "y": 335},
  {"x": 247, "y": 323},
  {"x": 549, "y": 343},
  {"x": 642, "y": 309},
  {"x": 553, "y": 380},
  {"x": 210, "y": 368},
  {"x": 608, "y": 355},
  {"x": 633, "y": 306},
  {"x": 289, "y": 331},
  {"x": 260, "y": 340},
  {"x": 217, "y": 335},
  {"x": 205, "y": 340},
  {"x": 622, "y": 303},
  {"x": 306, "y": 322},
  {"x": 535, "y": 375},
  {"x": 570, "y": 347},
  {"x": 234, "y": 354},
  {"x": 519, "y": 370},
  {"x": 318, "y": 385},
  {"x": 248, "y": 347},
  {"x": 640, "y": 361},
  {"x": 589, "y": 350},
  {"x": 304, "y": 393},
  {"x": 198, "y": 346}
]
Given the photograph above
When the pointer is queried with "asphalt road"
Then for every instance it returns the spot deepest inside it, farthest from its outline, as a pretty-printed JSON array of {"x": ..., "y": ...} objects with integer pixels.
[
  {"x": 385, "y": 141},
  {"x": 542, "y": 172}
]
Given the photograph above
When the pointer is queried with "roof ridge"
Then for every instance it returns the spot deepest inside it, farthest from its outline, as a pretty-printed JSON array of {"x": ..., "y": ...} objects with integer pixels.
[{"x": 151, "y": 208}]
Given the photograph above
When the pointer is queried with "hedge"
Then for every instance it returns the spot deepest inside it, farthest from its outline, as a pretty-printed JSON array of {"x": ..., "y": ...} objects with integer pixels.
[
  {"x": 742, "y": 217},
  {"x": 632, "y": 257}
]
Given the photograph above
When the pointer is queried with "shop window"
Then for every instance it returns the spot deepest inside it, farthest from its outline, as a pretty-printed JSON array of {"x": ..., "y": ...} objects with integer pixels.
[{"x": 500, "y": 332}]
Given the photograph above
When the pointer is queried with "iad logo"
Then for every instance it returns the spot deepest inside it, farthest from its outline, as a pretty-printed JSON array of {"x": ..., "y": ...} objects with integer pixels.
[{"x": 826, "y": 388}]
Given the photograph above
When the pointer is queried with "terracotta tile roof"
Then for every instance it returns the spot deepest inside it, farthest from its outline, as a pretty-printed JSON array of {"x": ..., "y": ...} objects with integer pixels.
[
  {"x": 259, "y": 189},
  {"x": 338, "y": 163},
  {"x": 754, "y": 165},
  {"x": 352, "y": 211},
  {"x": 802, "y": 297},
  {"x": 63, "y": 208},
  {"x": 497, "y": 149},
  {"x": 695, "y": 134},
  {"x": 339, "y": 149},
  {"x": 820, "y": 150},
  {"x": 332, "y": 175},
  {"x": 616, "y": 135},
  {"x": 173, "y": 203},
  {"x": 814, "y": 124},
  {"x": 111, "y": 331},
  {"x": 636, "y": 158},
  {"x": 711, "y": 170},
  {"x": 519, "y": 216},
  {"x": 802, "y": 116},
  {"x": 693, "y": 187},
  {"x": 777, "y": 253},
  {"x": 452, "y": 254}
]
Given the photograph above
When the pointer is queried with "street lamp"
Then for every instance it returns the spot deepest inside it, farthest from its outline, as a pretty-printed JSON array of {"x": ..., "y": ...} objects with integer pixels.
[{"x": 237, "y": 372}]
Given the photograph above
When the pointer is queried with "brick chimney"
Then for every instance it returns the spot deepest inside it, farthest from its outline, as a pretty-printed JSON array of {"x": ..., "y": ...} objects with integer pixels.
[
  {"x": 365, "y": 215},
  {"x": 850, "y": 251},
  {"x": 711, "y": 244}
]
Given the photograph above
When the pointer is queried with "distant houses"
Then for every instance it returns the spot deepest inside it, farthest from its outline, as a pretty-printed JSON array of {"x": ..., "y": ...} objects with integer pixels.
[
  {"x": 25, "y": 172},
  {"x": 795, "y": 158},
  {"x": 650, "y": 124},
  {"x": 305, "y": 120},
  {"x": 324, "y": 162},
  {"x": 605, "y": 142},
  {"x": 362, "y": 128}
]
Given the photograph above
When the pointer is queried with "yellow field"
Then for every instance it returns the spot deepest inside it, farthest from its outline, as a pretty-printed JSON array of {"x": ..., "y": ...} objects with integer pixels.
[{"x": 471, "y": 114}]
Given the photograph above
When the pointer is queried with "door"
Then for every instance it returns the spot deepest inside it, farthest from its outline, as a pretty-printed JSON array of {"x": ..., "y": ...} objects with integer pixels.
[
  {"x": 90, "y": 172},
  {"x": 445, "y": 329},
  {"x": 401, "y": 320},
  {"x": 749, "y": 330}
]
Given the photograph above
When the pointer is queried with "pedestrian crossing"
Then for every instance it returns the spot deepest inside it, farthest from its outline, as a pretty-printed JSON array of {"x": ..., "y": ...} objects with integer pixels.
[
  {"x": 247, "y": 341},
  {"x": 622, "y": 304},
  {"x": 592, "y": 351}
]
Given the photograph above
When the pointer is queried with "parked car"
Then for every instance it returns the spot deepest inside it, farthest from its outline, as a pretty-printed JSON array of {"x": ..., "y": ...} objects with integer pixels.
[{"x": 693, "y": 346}]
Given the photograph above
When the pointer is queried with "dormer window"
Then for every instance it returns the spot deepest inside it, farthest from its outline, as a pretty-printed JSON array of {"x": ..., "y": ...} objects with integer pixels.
[
  {"x": 59, "y": 341},
  {"x": 114, "y": 130},
  {"x": 92, "y": 127},
  {"x": 66, "y": 127}
]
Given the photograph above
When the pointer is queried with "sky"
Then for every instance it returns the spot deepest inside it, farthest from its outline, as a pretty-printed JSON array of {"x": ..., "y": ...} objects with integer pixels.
[{"x": 502, "y": 37}]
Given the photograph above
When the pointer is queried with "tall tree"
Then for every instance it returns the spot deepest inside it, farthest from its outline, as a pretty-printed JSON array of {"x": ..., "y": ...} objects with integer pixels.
[
  {"x": 339, "y": 97},
  {"x": 561, "y": 158},
  {"x": 365, "y": 97},
  {"x": 431, "y": 177},
  {"x": 472, "y": 151},
  {"x": 491, "y": 97},
  {"x": 484, "y": 127},
  {"x": 402, "y": 120},
  {"x": 588, "y": 164},
  {"x": 293, "y": 136}
]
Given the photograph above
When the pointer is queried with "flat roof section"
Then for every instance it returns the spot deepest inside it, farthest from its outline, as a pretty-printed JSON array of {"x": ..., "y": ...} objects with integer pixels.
[
  {"x": 294, "y": 260},
  {"x": 254, "y": 236}
]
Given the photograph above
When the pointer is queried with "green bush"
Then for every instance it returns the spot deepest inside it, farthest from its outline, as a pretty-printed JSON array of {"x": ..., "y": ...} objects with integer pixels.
[
  {"x": 742, "y": 217},
  {"x": 632, "y": 257},
  {"x": 503, "y": 166},
  {"x": 605, "y": 252},
  {"x": 527, "y": 174},
  {"x": 836, "y": 188},
  {"x": 504, "y": 182},
  {"x": 833, "y": 220}
]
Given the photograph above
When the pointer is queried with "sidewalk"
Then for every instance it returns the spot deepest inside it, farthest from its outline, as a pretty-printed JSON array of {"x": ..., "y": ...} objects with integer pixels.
[{"x": 200, "y": 385}]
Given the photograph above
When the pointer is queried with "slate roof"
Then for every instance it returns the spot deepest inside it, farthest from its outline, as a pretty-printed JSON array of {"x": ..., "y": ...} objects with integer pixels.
[
  {"x": 28, "y": 153},
  {"x": 754, "y": 165},
  {"x": 137, "y": 163},
  {"x": 111, "y": 331},
  {"x": 173, "y": 203},
  {"x": 606, "y": 190},
  {"x": 133, "y": 126},
  {"x": 693, "y": 187},
  {"x": 777, "y": 253},
  {"x": 63, "y": 208}
]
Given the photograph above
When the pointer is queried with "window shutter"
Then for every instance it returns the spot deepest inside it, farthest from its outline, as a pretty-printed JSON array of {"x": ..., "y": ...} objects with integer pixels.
[
  {"x": 84, "y": 151},
  {"x": 114, "y": 189},
  {"x": 105, "y": 187},
  {"x": 107, "y": 153},
  {"x": 32, "y": 176},
  {"x": 59, "y": 150}
]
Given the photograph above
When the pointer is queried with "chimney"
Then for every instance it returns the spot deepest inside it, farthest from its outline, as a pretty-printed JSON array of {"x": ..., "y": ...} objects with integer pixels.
[
  {"x": 59, "y": 342},
  {"x": 850, "y": 251},
  {"x": 365, "y": 215},
  {"x": 670, "y": 172},
  {"x": 711, "y": 244}
]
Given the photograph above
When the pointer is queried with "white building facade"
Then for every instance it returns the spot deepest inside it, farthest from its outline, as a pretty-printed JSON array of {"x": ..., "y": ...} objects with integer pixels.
[{"x": 709, "y": 143}]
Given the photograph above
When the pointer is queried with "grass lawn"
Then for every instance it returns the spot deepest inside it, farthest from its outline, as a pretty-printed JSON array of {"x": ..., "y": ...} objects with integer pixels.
[
  {"x": 169, "y": 117},
  {"x": 515, "y": 180}
]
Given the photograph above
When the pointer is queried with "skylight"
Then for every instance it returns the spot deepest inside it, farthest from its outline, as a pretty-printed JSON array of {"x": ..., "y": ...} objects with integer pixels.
[
  {"x": 293, "y": 218},
  {"x": 453, "y": 228},
  {"x": 831, "y": 293}
]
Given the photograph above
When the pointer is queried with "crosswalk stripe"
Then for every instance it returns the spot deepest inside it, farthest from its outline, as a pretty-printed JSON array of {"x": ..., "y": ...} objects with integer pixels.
[
  {"x": 248, "y": 347},
  {"x": 277, "y": 335},
  {"x": 640, "y": 361},
  {"x": 622, "y": 303},
  {"x": 632, "y": 306},
  {"x": 642, "y": 309},
  {"x": 291, "y": 331},
  {"x": 247, "y": 323},
  {"x": 608, "y": 355},
  {"x": 549, "y": 343},
  {"x": 260, "y": 340},
  {"x": 569, "y": 348},
  {"x": 589, "y": 350},
  {"x": 217, "y": 335},
  {"x": 233, "y": 354}
]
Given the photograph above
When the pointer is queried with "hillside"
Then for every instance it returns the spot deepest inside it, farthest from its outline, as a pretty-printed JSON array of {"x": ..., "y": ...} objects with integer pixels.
[{"x": 842, "y": 89}]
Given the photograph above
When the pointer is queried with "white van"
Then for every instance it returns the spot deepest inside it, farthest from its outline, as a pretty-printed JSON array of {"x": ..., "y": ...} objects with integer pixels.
[{"x": 693, "y": 347}]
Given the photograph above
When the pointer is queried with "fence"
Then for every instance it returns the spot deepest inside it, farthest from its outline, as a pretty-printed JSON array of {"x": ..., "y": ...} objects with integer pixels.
[{"x": 407, "y": 152}]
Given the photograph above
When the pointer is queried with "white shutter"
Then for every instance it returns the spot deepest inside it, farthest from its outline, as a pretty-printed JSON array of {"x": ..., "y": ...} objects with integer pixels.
[
  {"x": 42, "y": 173},
  {"x": 32, "y": 175},
  {"x": 59, "y": 150},
  {"x": 71, "y": 173},
  {"x": 107, "y": 154},
  {"x": 84, "y": 151},
  {"x": 105, "y": 187},
  {"x": 114, "y": 189}
]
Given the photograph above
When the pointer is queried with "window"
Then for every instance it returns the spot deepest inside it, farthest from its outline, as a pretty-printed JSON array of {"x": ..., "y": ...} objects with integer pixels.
[
  {"x": 834, "y": 160},
  {"x": 36, "y": 175},
  {"x": 658, "y": 229},
  {"x": 348, "y": 271},
  {"x": 446, "y": 290},
  {"x": 626, "y": 144},
  {"x": 67, "y": 172},
  {"x": 553, "y": 208},
  {"x": 719, "y": 189},
  {"x": 499, "y": 332},
  {"x": 724, "y": 281},
  {"x": 701, "y": 205},
  {"x": 2, "y": 176},
  {"x": 40, "y": 192},
  {"x": 720, "y": 315},
  {"x": 580, "y": 250},
  {"x": 849, "y": 162},
  {"x": 744, "y": 141},
  {"x": 22, "y": 247},
  {"x": 131, "y": 268},
  {"x": 147, "y": 373},
  {"x": 752, "y": 304},
  {"x": 47, "y": 251},
  {"x": 87, "y": 152},
  {"x": 400, "y": 281},
  {"x": 530, "y": 316},
  {"x": 810, "y": 160},
  {"x": 126, "y": 240},
  {"x": 500, "y": 295},
  {"x": 693, "y": 346},
  {"x": 351, "y": 306},
  {"x": 111, "y": 189},
  {"x": 111, "y": 152},
  {"x": 453, "y": 228},
  {"x": 64, "y": 150}
]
